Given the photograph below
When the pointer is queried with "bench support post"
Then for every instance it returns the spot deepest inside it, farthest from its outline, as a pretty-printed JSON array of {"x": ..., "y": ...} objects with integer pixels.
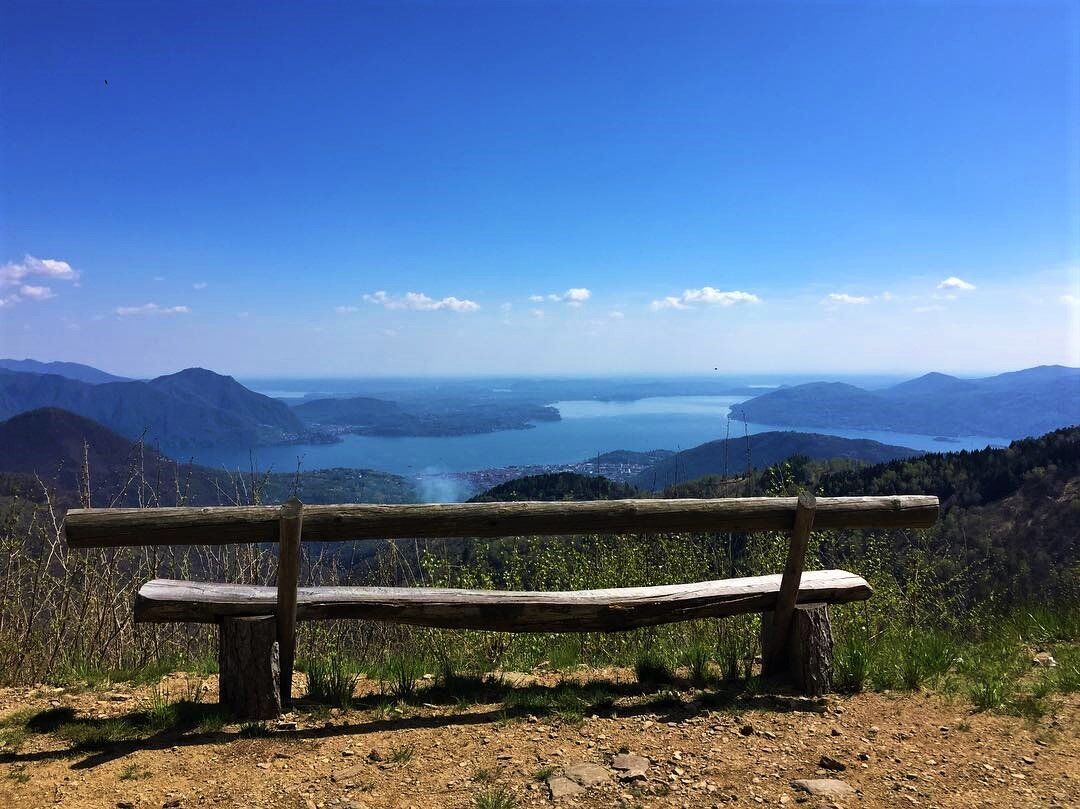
[
  {"x": 249, "y": 684},
  {"x": 288, "y": 577},
  {"x": 774, "y": 641},
  {"x": 808, "y": 650}
]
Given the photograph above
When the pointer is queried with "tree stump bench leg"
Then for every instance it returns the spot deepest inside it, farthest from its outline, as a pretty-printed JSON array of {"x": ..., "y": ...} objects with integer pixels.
[
  {"x": 249, "y": 679},
  {"x": 807, "y": 660}
]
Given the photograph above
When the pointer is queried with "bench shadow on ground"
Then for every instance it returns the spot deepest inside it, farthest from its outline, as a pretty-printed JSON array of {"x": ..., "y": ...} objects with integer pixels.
[{"x": 96, "y": 741}]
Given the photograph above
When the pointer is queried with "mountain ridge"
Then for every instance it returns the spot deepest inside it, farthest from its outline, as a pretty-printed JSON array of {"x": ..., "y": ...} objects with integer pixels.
[{"x": 1015, "y": 404}]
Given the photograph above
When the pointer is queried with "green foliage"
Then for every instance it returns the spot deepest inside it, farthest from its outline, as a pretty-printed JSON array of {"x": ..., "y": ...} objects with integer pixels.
[
  {"x": 697, "y": 658},
  {"x": 403, "y": 671},
  {"x": 331, "y": 680},
  {"x": 558, "y": 486}
]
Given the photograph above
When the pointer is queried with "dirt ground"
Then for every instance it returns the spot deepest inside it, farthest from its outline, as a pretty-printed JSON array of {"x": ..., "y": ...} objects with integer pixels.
[{"x": 895, "y": 750}]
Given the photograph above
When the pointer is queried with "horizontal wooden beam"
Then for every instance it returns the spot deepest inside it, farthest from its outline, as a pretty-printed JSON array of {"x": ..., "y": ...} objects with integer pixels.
[
  {"x": 95, "y": 528},
  {"x": 613, "y": 610}
]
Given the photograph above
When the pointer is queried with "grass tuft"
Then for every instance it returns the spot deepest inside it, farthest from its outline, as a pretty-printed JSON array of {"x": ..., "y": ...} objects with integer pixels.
[{"x": 495, "y": 798}]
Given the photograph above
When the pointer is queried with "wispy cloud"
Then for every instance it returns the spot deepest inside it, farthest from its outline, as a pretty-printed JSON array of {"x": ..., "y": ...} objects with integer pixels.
[
  {"x": 346, "y": 309},
  {"x": 575, "y": 296},
  {"x": 952, "y": 282},
  {"x": 199, "y": 285},
  {"x": 1070, "y": 300},
  {"x": 845, "y": 298},
  {"x": 35, "y": 293},
  {"x": 419, "y": 302},
  {"x": 709, "y": 296},
  {"x": 615, "y": 314},
  {"x": 151, "y": 309}
]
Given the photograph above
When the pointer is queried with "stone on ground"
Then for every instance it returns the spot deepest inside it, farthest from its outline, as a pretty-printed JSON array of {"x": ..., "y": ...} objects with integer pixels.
[
  {"x": 823, "y": 787},
  {"x": 588, "y": 774},
  {"x": 630, "y": 766},
  {"x": 563, "y": 787}
]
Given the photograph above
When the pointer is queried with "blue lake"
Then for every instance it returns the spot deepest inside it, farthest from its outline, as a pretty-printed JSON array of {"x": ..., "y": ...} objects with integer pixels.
[{"x": 586, "y": 428}]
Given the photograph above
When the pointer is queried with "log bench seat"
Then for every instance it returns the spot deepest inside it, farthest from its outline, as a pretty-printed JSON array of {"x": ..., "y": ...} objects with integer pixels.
[{"x": 610, "y": 610}]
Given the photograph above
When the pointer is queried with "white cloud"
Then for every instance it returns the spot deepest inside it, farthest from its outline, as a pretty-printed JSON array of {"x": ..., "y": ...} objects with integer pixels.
[
  {"x": 35, "y": 293},
  {"x": 198, "y": 285},
  {"x": 616, "y": 315},
  {"x": 536, "y": 312},
  {"x": 14, "y": 273},
  {"x": 575, "y": 296},
  {"x": 707, "y": 295},
  {"x": 151, "y": 309},
  {"x": 952, "y": 282},
  {"x": 419, "y": 302},
  {"x": 344, "y": 310},
  {"x": 1070, "y": 300},
  {"x": 843, "y": 297}
]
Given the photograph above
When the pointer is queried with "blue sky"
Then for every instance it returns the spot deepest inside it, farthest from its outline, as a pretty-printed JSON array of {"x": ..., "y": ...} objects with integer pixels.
[{"x": 352, "y": 189}]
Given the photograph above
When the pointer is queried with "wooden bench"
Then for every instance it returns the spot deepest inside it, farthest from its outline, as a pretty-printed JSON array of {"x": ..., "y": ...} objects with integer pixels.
[{"x": 258, "y": 624}]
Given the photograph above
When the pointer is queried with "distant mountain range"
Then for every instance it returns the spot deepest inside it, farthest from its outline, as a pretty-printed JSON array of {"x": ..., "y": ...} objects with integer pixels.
[
  {"x": 70, "y": 370},
  {"x": 182, "y": 411},
  {"x": 1011, "y": 405},
  {"x": 57, "y": 445},
  {"x": 732, "y": 456}
]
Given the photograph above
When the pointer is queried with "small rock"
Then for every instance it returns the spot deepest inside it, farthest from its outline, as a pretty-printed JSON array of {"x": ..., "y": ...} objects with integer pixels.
[
  {"x": 283, "y": 725},
  {"x": 118, "y": 697},
  {"x": 125, "y": 805},
  {"x": 171, "y": 804},
  {"x": 588, "y": 774},
  {"x": 823, "y": 787},
  {"x": 747, "y": 729},
  {"x": 835, "y": 732},
  {"x": 562, "y": 787},
  {"x": 830, "y": 763},
  {"x": 374, "y": 755},
  {"x": 1044, "y": 659},
  {"x": 630, "y": 766},
  {"x": 1028, "y": 760}
]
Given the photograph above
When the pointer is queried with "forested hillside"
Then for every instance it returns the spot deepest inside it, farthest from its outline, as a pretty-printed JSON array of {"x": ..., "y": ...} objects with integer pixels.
[
  {"x": 558, "y": 486},
  {"x": 734, "y": 455}
]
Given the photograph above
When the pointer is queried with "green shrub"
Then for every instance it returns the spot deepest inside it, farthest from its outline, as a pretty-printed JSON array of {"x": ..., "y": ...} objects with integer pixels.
[{"x": 331, "y": 680}]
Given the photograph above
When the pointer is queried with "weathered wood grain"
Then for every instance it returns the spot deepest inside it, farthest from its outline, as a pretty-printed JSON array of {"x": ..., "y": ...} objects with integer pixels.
[
  {"x": 249, "y": 684},
  {"x": 89, "y": 528},
  {"x": 290, "y": 524},
  {"x": 166, "y": 600},
  {"x": 773, "y": 653},
  {"x": 807, "y": 658}
]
